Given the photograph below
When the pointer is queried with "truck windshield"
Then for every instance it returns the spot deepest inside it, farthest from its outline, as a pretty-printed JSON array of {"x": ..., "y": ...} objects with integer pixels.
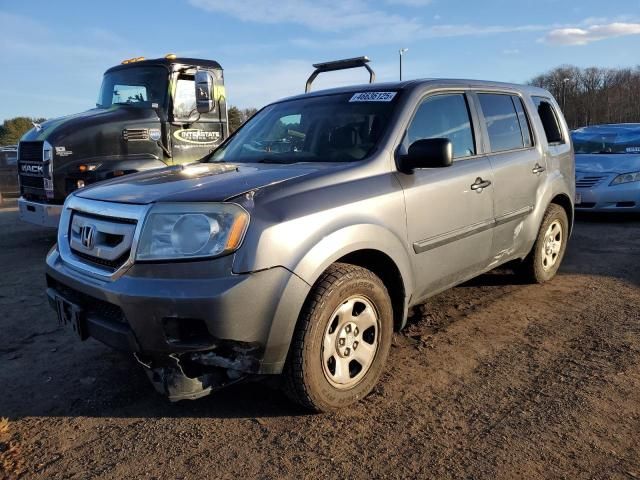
[
  {"x": 135, "y": 86},
  {"x": 329, "y": 128},
  {"x": 607, "y": 139}
]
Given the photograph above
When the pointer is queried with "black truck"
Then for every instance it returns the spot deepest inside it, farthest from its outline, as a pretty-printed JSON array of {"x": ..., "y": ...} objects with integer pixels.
[{"x": 150, "y": 114}]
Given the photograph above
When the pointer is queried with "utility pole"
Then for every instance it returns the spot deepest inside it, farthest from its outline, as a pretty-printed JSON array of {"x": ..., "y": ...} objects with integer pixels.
[{"x": 401, "y": 52}]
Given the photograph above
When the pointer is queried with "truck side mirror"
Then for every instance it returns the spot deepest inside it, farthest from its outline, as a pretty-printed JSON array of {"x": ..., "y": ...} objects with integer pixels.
[
  {"x": 427, "y": 153},
  {"x": 205, "y": 101}
]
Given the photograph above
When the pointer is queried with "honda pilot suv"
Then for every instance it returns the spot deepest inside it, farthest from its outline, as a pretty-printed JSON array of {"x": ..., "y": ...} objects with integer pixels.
[{"x": 300, "y": 244}]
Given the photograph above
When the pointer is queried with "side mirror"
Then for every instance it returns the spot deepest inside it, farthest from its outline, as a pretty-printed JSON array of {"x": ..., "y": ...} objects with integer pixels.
[
  {"x": 427, "y": 153},
  {"x": 205, "y": 101}
]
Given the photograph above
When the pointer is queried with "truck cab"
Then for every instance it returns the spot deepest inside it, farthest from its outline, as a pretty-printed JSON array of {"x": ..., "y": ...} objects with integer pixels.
[{"x": 149, "y": 114}]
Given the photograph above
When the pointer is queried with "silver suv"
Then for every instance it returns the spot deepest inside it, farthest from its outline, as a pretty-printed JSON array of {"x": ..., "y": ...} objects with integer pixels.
[{"x": 300, "y": 244}]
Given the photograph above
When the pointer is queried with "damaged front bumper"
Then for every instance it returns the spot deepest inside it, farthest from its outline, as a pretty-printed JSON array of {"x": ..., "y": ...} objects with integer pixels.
[
  {"x": 190, "y": 378},
  {"x": 195, "y": 327}
]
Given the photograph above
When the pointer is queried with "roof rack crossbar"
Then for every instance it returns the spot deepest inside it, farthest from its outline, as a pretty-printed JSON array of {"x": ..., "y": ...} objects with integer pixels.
[{"x": 345, "y": 64}]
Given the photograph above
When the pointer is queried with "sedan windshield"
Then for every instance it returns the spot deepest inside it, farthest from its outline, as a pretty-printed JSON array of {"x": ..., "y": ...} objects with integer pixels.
[
  {"x": 607, "y": 139},
  {"x": 329, "y": 128},
  {"x": 134, "y": 86}
]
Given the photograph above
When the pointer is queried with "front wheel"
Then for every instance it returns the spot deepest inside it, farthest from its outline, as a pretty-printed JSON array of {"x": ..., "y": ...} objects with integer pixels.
[
  {"x": 341, "y": 341},
  {"x": 544, "y": 260}
]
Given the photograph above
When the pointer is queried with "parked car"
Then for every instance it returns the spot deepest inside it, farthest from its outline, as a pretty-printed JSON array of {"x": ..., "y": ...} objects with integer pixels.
[
  {"x": 8, "y": 171},
  {"x": 300, "y": 244},
  {"x": 608, "y": 167}
]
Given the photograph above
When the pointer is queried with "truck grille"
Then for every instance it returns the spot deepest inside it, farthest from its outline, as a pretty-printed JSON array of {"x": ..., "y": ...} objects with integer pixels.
[
  {"x": 589, "y": 181},
  {"x": 135, "y": 134},
  {"x": 30, "y": 153},
  {"x": 32, "y": 182}
]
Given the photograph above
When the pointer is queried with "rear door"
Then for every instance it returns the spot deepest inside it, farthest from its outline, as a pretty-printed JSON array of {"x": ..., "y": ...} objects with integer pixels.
[
  {"x": 449, "y": 220},
  {"x": 518, "y": 167}
]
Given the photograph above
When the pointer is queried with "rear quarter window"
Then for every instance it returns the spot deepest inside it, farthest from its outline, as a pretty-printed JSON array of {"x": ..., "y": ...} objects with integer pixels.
[{"x": 550, "y": 122}]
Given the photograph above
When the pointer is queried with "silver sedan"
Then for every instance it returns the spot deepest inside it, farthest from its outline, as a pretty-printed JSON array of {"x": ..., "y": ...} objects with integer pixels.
[{"x": 608, "y": 167}]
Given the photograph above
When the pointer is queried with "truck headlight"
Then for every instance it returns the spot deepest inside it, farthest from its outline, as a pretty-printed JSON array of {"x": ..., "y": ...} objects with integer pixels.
[
  {"x": 626, "y": 178},
  {"x": 174, "y": 231}
]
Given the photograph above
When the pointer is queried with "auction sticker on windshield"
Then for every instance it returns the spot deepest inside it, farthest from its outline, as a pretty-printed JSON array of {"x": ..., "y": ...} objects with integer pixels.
[{"x": 373, "y": 97}]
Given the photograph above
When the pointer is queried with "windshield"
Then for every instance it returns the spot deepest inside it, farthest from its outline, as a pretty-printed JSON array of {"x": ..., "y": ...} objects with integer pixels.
[
  {"x": 330, "y": 128},
  {"x": 607, "y": 139},
  {"x": 135, "y": 86}
]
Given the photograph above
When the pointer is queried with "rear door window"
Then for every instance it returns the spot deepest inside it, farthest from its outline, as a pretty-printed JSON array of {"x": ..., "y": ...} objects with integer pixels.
[
  {"x": 549, "y": 119},
  {"x": 524, "y": 122},
  {"x": 503, "y": 122},
  {"x": 444, "y": 116}
]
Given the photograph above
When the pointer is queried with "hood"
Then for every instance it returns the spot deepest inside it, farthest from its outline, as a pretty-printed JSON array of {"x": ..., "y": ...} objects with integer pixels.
[
  {"x": 95, "y": 133},
  {"x": 607, "y": 163},
  {"x": 197, "y": 182}
]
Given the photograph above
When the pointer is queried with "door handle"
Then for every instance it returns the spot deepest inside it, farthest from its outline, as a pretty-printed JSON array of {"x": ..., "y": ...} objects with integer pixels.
[
  {"x": 479, "y": 184},
  {"x": 537, "y": 169}
]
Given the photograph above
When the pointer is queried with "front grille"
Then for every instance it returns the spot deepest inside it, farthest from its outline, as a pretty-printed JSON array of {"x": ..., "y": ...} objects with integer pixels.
[
  {"x": 31, "y": 182},
  {"x": 589, "y": 181},
  {"x": 135, "y": 134},
  {"x": 93, "y": 307},
  {"x": 30, "y": 152},
  {"x": 100, "y": 240},
  {"x": 112, "y": 264}
]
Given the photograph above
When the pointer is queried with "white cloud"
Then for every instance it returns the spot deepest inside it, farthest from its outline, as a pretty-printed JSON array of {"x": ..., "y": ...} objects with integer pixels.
[
  {"x": 319, "y": 15},
  {"x": 593, "y": 33},
  {"x": 510, "y": 51}
]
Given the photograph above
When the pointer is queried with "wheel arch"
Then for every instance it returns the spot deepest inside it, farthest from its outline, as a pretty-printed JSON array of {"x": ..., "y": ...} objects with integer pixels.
[{"x": 564, "y": 201}]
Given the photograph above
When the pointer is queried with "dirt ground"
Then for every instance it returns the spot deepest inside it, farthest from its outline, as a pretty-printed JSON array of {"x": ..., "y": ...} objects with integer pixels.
[{"x": 491, "y": 379}]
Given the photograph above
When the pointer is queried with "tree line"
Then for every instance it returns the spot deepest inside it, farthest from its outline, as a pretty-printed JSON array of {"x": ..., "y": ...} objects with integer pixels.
[
  {"x": 590, "y": 96},
  {"x": 13, "y": 128}
]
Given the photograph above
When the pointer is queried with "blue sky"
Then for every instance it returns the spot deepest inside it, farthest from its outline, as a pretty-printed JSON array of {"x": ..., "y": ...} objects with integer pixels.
[{"x": 56, "y": 51}]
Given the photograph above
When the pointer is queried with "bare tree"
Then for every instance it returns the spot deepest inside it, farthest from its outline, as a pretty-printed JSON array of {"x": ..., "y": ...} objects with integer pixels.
[{"x": 594, "y": 95}]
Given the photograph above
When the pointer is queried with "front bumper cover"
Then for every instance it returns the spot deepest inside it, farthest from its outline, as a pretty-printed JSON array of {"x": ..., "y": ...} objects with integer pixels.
[{"x": 195, "y": 326}]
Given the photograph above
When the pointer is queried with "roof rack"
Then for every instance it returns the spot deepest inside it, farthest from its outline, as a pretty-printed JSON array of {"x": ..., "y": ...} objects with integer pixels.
[{"x": 339, "y": 65}]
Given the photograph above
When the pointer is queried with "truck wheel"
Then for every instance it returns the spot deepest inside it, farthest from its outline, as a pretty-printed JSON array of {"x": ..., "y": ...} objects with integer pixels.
[
  {"x": 342, "y": 339},
  {"x": 543, "y": 261}
]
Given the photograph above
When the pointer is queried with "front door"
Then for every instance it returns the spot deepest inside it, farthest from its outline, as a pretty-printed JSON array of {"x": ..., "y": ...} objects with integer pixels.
[
  {"x": 450, "y": 209},
  {"x": 192, "y": 135}
]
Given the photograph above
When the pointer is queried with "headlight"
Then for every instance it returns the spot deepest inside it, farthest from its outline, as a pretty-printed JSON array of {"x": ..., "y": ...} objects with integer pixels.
[
  {"x": 191, "y": 230},
  {"x": 626, "y": 178}
]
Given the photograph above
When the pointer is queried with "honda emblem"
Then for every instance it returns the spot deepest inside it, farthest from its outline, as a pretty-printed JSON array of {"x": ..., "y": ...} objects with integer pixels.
[{"x": 87, "y": 236}]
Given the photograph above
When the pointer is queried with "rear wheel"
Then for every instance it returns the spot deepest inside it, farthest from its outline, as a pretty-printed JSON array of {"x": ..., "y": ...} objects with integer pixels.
[
  {"x": 341, "y": 341},
  {"x": 544, "y": 260}
]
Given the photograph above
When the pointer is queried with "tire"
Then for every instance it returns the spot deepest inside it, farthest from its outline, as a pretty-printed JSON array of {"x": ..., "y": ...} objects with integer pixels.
[
  {"x": 341, "y": 341},
  {"x": 542, "y": 263}
]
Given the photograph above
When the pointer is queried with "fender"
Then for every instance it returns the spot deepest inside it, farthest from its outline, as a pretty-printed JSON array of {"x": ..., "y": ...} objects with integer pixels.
[
  {"x": 351, "y": 239},
  {"x": 309, "y": 268}
]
